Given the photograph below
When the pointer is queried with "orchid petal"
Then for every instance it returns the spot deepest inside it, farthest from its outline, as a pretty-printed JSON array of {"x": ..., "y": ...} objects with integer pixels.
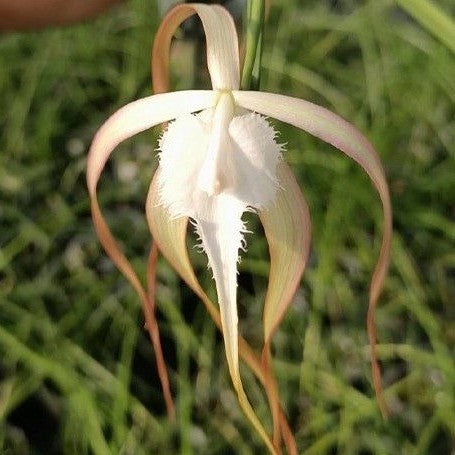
[
  {"x": 170, "y": 234},
  {"x": 333, "y": 129},
  {"x": 139, "y": 116},
  {"x": 189, "y": 158},
  {"x": 222, "y": 45},
  {"x": 287, "y": 228},
  {"x": 221, "y": 241},
  {"x": 230, "y": 163},
  {"x": 129, "y": 120}
]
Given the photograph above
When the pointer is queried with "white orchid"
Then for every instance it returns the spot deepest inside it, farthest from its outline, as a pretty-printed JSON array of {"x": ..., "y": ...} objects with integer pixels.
[{"x": 219, "y": 158}]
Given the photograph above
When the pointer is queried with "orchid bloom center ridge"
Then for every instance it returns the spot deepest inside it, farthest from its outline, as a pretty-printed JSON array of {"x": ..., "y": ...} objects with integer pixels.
[
  {"x": 210, "y": 177},
  {"x": 221, "y": 152}
]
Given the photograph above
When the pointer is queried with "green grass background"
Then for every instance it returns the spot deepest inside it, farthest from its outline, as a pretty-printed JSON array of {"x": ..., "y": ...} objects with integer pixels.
[{"x": 77, "y": 372}]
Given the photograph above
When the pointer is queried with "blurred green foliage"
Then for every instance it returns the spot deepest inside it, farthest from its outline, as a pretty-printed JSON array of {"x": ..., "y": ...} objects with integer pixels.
[{"x": 77, "y": 373}]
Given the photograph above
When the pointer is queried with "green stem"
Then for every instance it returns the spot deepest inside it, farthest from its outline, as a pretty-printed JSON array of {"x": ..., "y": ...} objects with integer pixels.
[{"x": 253, "y": 50}]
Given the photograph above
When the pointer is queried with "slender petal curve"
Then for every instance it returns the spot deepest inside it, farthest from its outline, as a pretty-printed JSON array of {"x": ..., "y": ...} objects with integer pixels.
[
  {"x": 126, "y": 122},
  {"x": 135, "y": 117},
  {"x": 287, "y": 227},
  {"x": 222, "y": 45},
  {"x": 139, "y": 116},
  {"x": 331, "y": 128}
]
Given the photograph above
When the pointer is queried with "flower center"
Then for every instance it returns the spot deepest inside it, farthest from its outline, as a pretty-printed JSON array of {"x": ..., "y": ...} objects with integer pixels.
[
  {"x": 218, "y": 153},
  {"x": 210, "y": 178}
]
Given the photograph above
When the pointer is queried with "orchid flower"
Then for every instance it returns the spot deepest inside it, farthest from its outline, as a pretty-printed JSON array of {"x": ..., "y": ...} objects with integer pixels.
[{"x": 218, "y": 158}]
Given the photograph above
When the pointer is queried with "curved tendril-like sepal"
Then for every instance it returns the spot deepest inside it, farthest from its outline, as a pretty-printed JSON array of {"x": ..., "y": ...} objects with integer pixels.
[
  {"x": 331, "y": 128},
  {"x": 222, "y": 45},
  {"x": 123, "y": 124},
  {"x": 287, "y": 228}
]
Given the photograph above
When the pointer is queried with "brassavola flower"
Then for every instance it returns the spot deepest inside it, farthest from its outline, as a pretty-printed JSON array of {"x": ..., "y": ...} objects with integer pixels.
[{"x": 218, "y": 158}]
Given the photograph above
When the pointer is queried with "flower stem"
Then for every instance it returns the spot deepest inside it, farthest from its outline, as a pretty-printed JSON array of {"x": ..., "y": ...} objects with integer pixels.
[{"x": 253, "y": 52}]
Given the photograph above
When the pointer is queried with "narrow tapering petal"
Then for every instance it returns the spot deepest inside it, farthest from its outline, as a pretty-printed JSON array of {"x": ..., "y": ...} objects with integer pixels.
[
  {"x": 139, "y": 116},
  {"x": 336, "y": 131},
  {"x": 220, "y": 229},
  {"x": 131, "y": 119},
  {"x": 287, "y": 227},
  {"x": 222, "y": 45}
]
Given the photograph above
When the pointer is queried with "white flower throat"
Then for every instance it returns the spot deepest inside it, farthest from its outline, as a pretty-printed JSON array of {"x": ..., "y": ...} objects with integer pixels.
[{"x": 218, "y": 152}]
